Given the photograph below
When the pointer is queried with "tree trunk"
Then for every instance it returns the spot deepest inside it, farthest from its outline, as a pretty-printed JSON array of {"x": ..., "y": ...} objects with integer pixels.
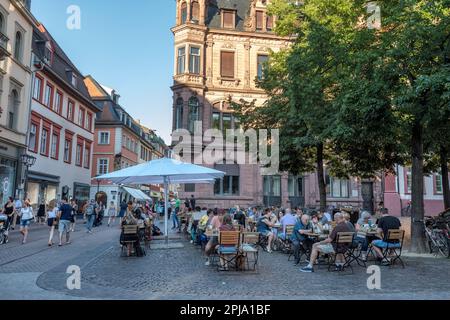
[
  {"x": 417, "y": 205},
  {"x": 444, "y": 173},
  {"x": 321, "y": 179}
]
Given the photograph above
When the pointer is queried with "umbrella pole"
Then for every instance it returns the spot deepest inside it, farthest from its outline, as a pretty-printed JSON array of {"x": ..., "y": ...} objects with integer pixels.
[{"x": 166, "y": 209}]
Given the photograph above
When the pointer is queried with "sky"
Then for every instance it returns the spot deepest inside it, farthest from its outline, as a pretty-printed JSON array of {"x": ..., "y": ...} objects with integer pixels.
[{"x": 124, "y": 44}]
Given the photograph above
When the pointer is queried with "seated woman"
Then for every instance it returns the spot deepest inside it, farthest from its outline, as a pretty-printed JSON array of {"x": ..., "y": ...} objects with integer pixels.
[
  {"x": 227, "y": 225},
  {"x": 361, "y": 228},
  {"x": 316, "y": 224},
  {"x": 129, "y": 219}
]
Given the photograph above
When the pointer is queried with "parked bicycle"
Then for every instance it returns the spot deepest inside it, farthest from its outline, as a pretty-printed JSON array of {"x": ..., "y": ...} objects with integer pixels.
[
  {"x": 438, "y": 236},
  {"x": 4, "y": 228}
]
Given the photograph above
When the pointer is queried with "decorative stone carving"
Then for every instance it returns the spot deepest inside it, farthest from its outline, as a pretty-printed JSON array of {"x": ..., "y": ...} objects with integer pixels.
[{"x": 228, "y": 46}]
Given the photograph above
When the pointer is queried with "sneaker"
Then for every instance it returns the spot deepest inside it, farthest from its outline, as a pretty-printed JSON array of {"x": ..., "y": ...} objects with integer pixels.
[
  {"x": 192, "y": 241},
  {"x": 307, "y": 269},
  {"x": 269, "y": 250},
  {"x": 385, "y": 262}
]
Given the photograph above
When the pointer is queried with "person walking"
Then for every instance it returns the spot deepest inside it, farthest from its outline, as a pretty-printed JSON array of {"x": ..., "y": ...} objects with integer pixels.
[
  {"x": 73, "y": 219},
  {"x": 52, "y": 221},
  {"x": 112, "y": 212},
  {"x": 123, "y": 210},
  {"x": 9, "y": 211},
  {"x": 65, "y": 215},
  {"x": 18, "y": 206},
  {"x": 26, "y": 216},
  {"x": 91, "y": 214},
  {"x": 175, "y": 210},
  {"x": 192, "y": 202},
  {"x": 40, "y": 217}
]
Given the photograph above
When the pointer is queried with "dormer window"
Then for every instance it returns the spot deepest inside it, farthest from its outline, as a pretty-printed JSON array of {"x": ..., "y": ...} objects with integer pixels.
[
  {"x": 184, "y": 12},
  {"x": 48, "y": 55},
  {"x": 195, "y": 12},
  {"x": 228, "y": 19},
  {"x": 74, "y": 80},
  {"x": 259, "y": 20}
]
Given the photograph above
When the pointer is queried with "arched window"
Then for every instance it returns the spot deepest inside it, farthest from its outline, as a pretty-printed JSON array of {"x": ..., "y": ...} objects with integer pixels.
[
  {"x": 18, "y": 46},
  {"x": 183, "y": 12},
  {"x": 195, "y": 12},
  {"x": 12, "y": 109},
  {"x": 194, "y": 113},
  {"x": 179, "y": 113}
]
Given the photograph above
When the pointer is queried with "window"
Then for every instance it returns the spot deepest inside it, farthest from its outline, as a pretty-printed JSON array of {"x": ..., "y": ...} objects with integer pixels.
[
  {"x": 70, "y": 107},
  {"x": 44, "y": 142},
  {"x": 81, "y": 112},
  {"x": 183, "y": 12},
  {"x": 408, "y": 182},
  {"x": 179, "y": 113},
  {"x": 32, "y": 141},
  {"x": 48, "y": 95},
  {"x": 89, "y": 122},
  {"x": 79, "y": 154},
  {"x": 216, "y": 121},
  {"x": 269, "y": 23},
  {"x": 181, "y": 60},
  {"x": 103, "y": 166},
  {"x": 74, "y": 80},
  {"x": 57, "y": 106},
  {"x": 272, "y": 186},
  {"x": 103, "y": 137},
  {"x": 13, "y": 108},
  {"x": 68, "y": 151},
  {"x": 259, "y": 20},
  {"x": 18, "y": 46},
  {"x": 37, "y": 89},
  {"x": 195, "y": 12},
  {"x": 339, "y": 188},
  {"x": 229, "y": 185},
  {"x": 227, "y": 64},
  {"x": 189, "y": 187},
  {"x": 87, "y": 156},
  {"x": 228, "y": 19},
  {"x": 2, "y": 23},
  {"x": 54, "y": 146},
  {"x": 439, "y": 185},
  {"x": 295, "y": 186},
  {"x": 262, "y": 60},
  {"x": 194, "y": 113},
  {"x": 226, "y": 122},
  {"x": 194, "y": 60}
]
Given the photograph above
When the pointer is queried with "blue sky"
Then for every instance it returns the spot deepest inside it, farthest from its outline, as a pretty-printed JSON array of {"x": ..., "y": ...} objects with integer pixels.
[{"x": 124, "y": 44}]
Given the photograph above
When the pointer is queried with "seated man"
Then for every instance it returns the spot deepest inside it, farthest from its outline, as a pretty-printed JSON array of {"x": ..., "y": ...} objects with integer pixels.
[
  {"x": 263, "y": 227},
  {"x": 385, "y": 224},
  {"x": 299, "y": 240},
  {"x": 287, "y": 220},
  {"x": 328, "y": 246}
]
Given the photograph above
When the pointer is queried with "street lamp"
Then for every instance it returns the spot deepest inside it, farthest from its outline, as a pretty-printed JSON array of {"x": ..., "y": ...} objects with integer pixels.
[{"x": 28, "y": 161}]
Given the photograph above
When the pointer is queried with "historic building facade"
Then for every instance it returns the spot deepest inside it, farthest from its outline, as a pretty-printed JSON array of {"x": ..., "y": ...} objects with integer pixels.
[
  {"x": 61, "y": 128},
  {"x": 16, "y": 31},
  {"x": 220, "y": 50}
]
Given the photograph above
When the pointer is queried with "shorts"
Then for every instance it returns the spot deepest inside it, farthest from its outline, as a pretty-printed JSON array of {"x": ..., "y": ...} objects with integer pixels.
[
  {"x": 64, "y": 225},
  {"x": 326, "y": 248},
  {"x": 382, "y": 244},
  {"x": 50, "y": 221},
  {"x": 25, "y": 223}
]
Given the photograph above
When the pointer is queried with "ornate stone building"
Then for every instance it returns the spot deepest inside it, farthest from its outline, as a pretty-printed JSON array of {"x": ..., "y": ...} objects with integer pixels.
[{"x": 220, "y": 50}]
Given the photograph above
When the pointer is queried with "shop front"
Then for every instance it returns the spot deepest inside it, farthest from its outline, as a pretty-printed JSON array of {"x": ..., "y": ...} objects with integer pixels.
[
  {"x": 42, "y": 188},
  {"x": 8, "y": 173},
  {"x": 81, "y": 193}
]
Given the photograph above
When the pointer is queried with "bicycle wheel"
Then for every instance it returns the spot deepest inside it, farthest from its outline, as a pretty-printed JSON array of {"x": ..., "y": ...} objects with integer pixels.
[{"x": 441, "y": 243}]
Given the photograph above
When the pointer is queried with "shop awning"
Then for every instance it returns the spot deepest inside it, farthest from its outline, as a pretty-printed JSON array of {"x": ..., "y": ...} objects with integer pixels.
[{"x": 137, "y": 194}]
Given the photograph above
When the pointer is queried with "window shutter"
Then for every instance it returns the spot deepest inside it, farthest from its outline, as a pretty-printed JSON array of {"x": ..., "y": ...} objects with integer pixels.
[
  {"x": 227, "y": 64},
  {"x": 269, "y": 25},
  {"x": 228, "y": 19},
  {"x": 259, "y": 20}
]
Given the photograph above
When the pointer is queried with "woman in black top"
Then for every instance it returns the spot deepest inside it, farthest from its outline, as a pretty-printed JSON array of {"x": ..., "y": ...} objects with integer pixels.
[
  {"x": 41, "y": 213},
  {"x": 9, "y": 211}
]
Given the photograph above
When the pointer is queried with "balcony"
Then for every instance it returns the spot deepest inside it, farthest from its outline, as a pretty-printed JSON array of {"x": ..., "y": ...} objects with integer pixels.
[
  {"x": 189, "y": 78},
  {"x": 4, "y": 46}
]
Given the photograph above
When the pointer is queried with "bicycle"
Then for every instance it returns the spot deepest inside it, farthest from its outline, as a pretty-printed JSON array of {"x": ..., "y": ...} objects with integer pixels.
[
  {"x": 438, "y": 239},
  {"x": 4, "y": 229}
]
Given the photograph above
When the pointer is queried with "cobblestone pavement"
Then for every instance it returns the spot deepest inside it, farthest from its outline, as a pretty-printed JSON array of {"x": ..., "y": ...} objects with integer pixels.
[{"x": 181, "y": 274}]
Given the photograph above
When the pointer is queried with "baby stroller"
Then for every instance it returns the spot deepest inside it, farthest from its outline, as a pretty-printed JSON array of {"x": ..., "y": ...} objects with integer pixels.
[
  {"x": 4, "y": 228},
  {"x": 98, "y": 220}
]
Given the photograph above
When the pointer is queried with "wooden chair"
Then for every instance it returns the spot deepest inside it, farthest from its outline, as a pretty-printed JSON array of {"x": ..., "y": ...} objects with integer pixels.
[
  {"x": 228, "y": 249},
  {"x": 249, "y": 247},
  {"x": 343, "y": 239},
  {"x": 129, "y": 231},
  {"x": 394, "y": 239}
]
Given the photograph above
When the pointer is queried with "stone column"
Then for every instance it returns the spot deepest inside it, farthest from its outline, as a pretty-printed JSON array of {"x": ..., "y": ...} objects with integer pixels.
[
  {"x": 209, "y": 62},
  {"x": 247, "y": 48}
]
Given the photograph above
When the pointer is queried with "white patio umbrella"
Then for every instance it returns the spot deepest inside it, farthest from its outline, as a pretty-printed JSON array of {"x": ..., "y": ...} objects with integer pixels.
[{"x": 164, "y": 171}]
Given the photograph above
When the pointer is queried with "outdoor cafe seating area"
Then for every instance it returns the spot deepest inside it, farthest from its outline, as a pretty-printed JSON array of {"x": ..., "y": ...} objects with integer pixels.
[{"x": 239, "y": 250}]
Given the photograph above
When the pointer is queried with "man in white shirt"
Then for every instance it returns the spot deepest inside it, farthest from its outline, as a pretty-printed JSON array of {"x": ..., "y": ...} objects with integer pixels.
[
  {"x": 286, "y": 220},
  {"x": 18, "y": 206}
]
